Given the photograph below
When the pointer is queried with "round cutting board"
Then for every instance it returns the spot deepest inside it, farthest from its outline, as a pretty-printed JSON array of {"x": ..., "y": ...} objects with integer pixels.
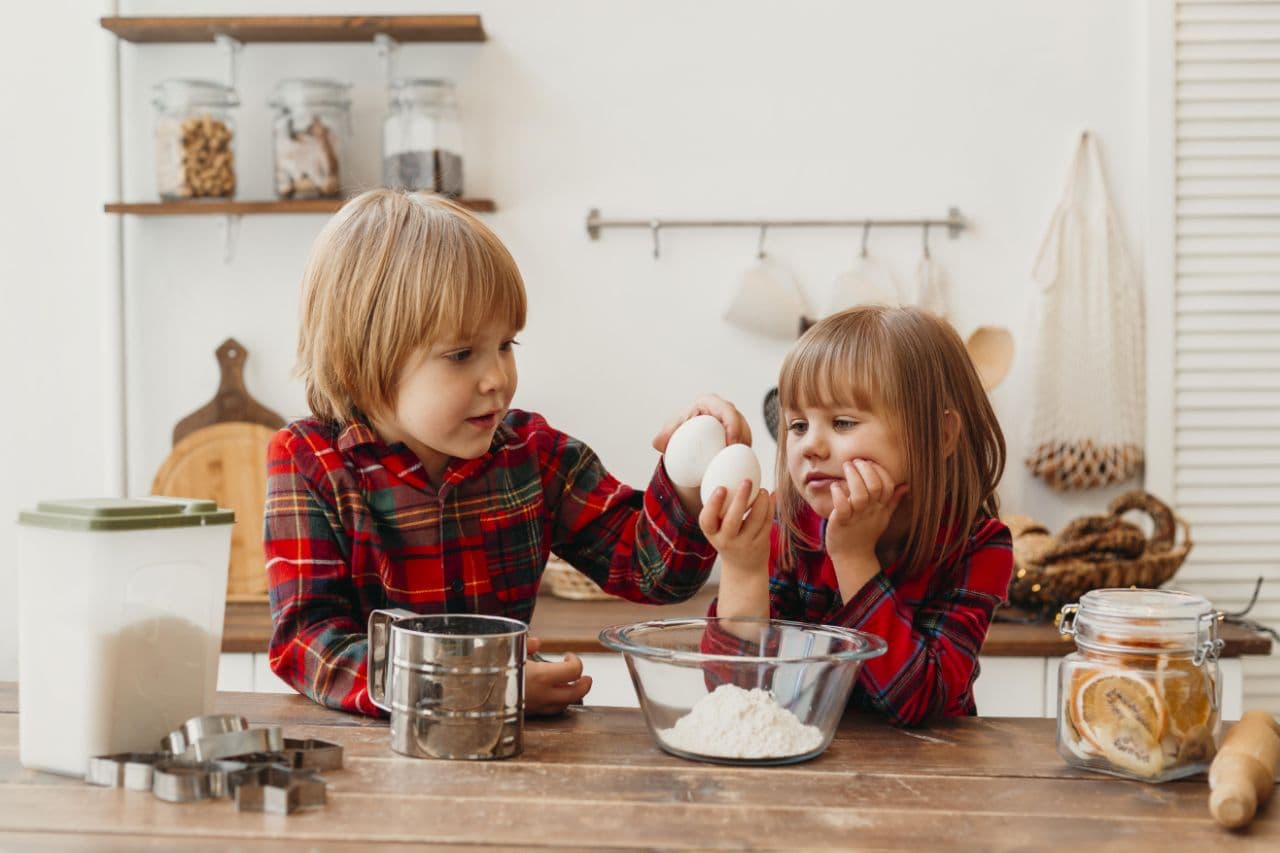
[{"x": 227, "y": 462}]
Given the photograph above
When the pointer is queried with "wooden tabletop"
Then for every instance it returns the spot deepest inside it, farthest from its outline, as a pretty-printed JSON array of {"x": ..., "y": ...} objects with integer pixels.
[
  {"x": 593, "y": 778},
  {"x": 573, "y": 626}
]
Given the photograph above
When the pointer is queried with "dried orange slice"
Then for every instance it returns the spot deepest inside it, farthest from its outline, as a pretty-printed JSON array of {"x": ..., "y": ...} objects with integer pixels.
[
  {"x": 1187, "y": 693},
  {"x": 1106, "y": 700},
  {"x": 1130, "y": 746}
]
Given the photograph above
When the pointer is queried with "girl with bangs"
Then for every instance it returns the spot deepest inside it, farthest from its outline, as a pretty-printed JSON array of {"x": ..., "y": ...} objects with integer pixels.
[
  {"x": 889, "y": 455},
  {"x": 414, "y": 484}
]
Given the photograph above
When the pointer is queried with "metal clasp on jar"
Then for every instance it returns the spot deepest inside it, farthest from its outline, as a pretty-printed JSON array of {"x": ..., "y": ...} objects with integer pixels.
[{"x": 1208, "y": 643}]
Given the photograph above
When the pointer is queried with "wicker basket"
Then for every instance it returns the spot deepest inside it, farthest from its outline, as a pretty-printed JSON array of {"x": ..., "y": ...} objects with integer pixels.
[
  {"x": 1044, "y": 581},
  {"x": 564, "y": 581}
]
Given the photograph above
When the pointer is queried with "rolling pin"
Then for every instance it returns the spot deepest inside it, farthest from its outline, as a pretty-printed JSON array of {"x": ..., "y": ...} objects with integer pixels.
[{"x": 1244, "y": 771}]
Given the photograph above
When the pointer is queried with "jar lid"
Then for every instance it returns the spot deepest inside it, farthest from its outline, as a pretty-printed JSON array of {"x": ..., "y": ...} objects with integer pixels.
[
  {"x": 408, "y": 91},
  {"x": 1151, "y": 621},
  {"x": 310, "y": 91},
  {"x": 195, "y": 93},
  {"x": 125, "y": 513}
]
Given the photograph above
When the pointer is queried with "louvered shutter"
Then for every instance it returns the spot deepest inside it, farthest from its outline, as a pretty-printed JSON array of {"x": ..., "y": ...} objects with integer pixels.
[{"x": 1226, "y": 330}]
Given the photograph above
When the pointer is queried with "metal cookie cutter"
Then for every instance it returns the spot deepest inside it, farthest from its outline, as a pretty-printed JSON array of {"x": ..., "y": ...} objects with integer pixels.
[
  {"x": 312, "y": 754},
  {"x": 179, "y": 781},
  {"x": 278, "y": 791},
  {"x": 267, "y": 739},
  {"x": 197, "y": 728},
  {"x": 132, "y": 770}
]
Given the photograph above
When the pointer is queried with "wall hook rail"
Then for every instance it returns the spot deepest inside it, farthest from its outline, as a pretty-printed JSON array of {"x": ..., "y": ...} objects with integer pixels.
[{"x": 954, "y": 222}]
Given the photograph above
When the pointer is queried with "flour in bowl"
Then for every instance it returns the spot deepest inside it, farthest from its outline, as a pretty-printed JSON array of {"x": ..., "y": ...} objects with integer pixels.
[{"x": 731, "y": 722}]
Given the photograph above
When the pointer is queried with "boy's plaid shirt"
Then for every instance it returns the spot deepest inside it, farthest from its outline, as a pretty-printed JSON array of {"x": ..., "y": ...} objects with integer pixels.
[
  {"x": 934, "y": 624},
  {"x": 352, "y": 525}
]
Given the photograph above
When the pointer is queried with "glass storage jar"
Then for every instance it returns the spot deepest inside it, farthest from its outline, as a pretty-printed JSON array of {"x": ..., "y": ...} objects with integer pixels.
[
  {"x": 310, "y": 131},
  {"x": 1141, "y": 696},
  {"x": 422, "y": 138},
  {"x": 195, "y": 136}
]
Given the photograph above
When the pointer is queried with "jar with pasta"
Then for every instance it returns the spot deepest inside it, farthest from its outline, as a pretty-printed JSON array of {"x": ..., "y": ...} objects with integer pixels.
[
  {"x": 1141, "y": 696},
  {"x": 195, "y": 135},
  {"x": 311, "y": 127}
]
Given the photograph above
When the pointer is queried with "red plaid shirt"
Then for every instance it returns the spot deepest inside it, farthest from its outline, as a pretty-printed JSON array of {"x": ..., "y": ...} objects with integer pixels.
[
  {"x": 934, "y": 624},
  {"x": 352, "y": 525}
]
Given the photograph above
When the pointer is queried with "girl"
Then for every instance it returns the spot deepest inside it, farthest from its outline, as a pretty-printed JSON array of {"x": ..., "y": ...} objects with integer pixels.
[{"x": 886, "y": 508}]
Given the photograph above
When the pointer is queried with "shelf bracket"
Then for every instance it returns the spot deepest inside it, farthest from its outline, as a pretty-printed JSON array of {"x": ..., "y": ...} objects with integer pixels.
[
  {"x": 230, "y": 227},
  {"x": 386, "y": 47},
  {"x": 231, "y": 47}
]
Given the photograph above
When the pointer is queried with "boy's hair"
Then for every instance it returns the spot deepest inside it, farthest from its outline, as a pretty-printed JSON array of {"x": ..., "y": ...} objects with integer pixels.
[
  {"x": 393, "y": 271},
  {"x": 910, "y": 367}
]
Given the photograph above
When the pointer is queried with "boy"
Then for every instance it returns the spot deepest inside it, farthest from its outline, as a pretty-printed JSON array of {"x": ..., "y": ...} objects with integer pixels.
[{"x": 413, "y": 485}]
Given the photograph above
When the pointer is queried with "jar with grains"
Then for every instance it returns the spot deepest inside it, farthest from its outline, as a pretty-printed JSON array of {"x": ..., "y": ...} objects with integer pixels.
[
  {"x": 1141, "y": 696},
  {"x": 311, "y": 129},
  {"x": 195, "y": 134},
  {"x": 422, "y": 138}
]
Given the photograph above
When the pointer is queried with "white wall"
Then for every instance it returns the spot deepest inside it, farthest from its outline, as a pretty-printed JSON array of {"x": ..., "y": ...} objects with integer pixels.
[
  {"x": 642, "y": 108},
  {"x": 54, "y": 411}
]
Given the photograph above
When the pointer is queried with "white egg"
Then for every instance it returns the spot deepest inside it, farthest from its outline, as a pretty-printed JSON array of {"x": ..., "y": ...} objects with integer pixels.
[
  {"x": 691, "y": 448},
  {"x": 729, "y": 468}
]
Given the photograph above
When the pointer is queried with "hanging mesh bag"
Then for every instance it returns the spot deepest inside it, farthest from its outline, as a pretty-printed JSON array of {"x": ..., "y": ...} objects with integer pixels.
[{"x": 1088, "y": 408}]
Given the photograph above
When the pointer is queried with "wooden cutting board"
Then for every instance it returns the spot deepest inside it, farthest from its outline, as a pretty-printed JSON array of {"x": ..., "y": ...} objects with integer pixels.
[{"x": 220, "y": 453}]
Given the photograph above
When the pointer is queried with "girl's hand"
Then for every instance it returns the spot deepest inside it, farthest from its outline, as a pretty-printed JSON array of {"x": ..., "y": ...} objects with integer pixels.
[
  {"x": 742, "y": 543},
  {"x": 551, "y": 687},
  {"x": 862, "y": 508},
  {"x": 736, "y": 428}
]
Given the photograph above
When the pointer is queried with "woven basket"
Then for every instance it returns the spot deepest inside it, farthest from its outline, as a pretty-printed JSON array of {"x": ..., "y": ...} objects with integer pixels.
[
  {"x": 1041, "y": 583},
  {"x": 564, "y": 581}
]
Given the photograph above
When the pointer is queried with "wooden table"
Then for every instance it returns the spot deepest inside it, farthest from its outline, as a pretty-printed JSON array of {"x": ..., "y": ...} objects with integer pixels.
[{"x": 593, "y": 778}]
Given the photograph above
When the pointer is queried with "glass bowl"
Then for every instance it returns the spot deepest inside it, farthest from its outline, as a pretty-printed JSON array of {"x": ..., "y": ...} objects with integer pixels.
[{"x": 742, "y": 691}]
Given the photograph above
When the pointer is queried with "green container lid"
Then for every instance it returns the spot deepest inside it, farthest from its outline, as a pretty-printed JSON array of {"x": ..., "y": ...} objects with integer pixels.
[{"x": 125, "y": 514}]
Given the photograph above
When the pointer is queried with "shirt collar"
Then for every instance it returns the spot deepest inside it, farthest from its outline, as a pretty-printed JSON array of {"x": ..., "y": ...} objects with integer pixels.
[{"x": 359, "y": 434}]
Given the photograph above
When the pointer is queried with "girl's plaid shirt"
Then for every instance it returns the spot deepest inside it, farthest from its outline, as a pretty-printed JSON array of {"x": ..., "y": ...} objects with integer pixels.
[
  {"x": 934, "y": 624},
  {"x": 352, "y": 525}
]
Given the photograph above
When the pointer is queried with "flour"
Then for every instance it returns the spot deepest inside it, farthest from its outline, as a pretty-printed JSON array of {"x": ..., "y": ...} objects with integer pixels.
[{"x": 731, "y": 722}]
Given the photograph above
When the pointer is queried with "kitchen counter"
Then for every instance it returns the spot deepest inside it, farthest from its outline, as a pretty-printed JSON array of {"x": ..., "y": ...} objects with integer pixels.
[
  {"x": 572, "y": 626},
  {"x": 593, "y": 778}
]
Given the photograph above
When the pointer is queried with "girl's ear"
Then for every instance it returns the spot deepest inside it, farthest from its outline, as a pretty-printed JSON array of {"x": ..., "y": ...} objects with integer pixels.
[{"x": 950, "y": 432}]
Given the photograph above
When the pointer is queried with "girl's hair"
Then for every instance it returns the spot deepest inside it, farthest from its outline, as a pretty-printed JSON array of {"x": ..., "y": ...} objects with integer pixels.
[
  {"x": 910, "y": 367},
  {"x": 391, "y": 272}
]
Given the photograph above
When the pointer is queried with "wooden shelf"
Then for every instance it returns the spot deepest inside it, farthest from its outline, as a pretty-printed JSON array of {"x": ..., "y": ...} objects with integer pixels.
[
  {"x": 294, "y": 28},
  {"x": 574, "y": 626},
  {"x": 236, "y": 207}
]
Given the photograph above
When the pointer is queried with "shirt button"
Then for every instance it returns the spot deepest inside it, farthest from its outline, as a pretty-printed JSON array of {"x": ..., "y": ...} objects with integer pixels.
[{"x": 457, "y": 586}]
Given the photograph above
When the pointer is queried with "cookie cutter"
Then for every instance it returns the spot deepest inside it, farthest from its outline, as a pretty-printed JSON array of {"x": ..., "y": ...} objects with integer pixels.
[
  {"x": 278, "y": 790},
  {"x": 132, "y": 770},
  {"x": 181, "y": 739},
  {"x": 179, "y": 781},
  {"x": 214, "y": 747},
  {"x": 312, "y": 754}
]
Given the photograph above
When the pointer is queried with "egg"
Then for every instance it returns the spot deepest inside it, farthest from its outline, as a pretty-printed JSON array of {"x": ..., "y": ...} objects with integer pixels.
[
  {"x": 729, "y": 468},
  {"x": 691, "y": 448}
]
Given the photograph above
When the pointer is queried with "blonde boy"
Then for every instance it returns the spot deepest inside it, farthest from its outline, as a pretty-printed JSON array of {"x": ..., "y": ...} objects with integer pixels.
[{"x": 414, "y": 485}]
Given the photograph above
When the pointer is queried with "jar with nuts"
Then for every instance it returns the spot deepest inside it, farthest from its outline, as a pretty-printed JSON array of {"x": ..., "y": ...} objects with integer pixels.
[
  {"x": 195, "y": 154},
  {"x": 312, "y": 124}
]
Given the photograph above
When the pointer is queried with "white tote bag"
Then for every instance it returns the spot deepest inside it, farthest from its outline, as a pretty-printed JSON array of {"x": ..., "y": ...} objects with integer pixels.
[{"x": 1088, "y": 406}]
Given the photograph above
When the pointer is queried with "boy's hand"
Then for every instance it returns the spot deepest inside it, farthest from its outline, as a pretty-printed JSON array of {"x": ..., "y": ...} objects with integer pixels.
[
  {"x": 551, "y": 687},
  {"x": 736, "y": 428},
  {"x": 736, "y": 431},
  {"x": 862, "y": 508},
  {"x": 743, "y": 545}
]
